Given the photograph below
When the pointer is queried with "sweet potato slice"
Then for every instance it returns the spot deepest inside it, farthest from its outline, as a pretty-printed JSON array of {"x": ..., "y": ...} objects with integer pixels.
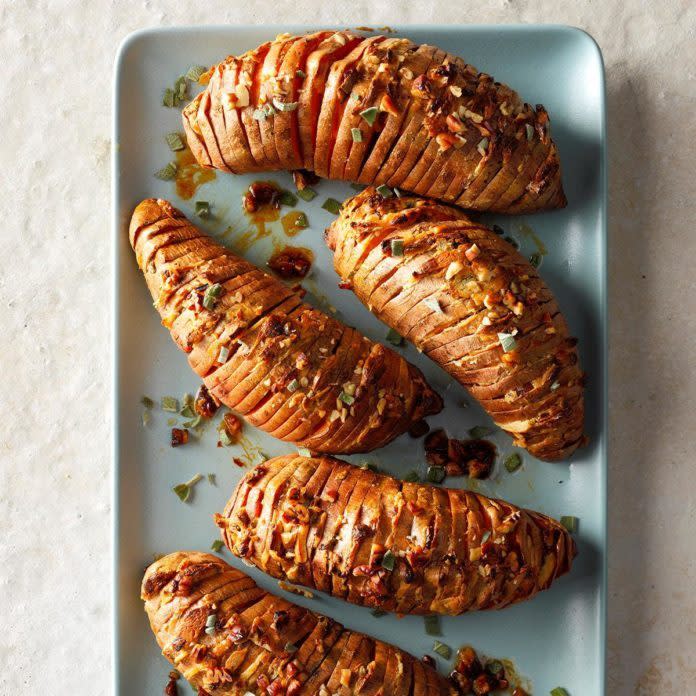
[{"x": 375, "y": 541}]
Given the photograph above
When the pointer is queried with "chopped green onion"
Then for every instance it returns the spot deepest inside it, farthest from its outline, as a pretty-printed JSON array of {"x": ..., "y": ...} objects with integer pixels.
[
  {"x": 358, "y": 187},
  {"x": 479, "y": 431},
  {"x": 195, "y": 71},
  {"x": 211, "y": 296},
  {"x": 356, "y": 133},
  {"x": 223, "y": 354},
  {"x": 482, "y": 146},
  {"x": 348, "y": 399},
  {"x": 378, "y": 612},
  {"x": 217, "y": 545},
  {"x": 394, "y": 338},
  {"x": 290, "y": 647},
  {"x": 211, "y": 619},
  {"x": 169, "y": 403},
  {"x": 307, "y": 194},
  {"x": 203, "y": 209},
  {"x": 498, "y": 230},
  {"x": 570, "y": 523},
  {"x": 559, "y": 691},
  {"x": 530, "y": 131},
  {"x": 301, "y": 73},
  {"x": 485, "y": 537},
  {"x": 180, "y": 88},
  {"x": 166, "y": 173},
  {"x": 507, "y": 342},
  {"x": 259, "y": 115},
  {"x": 388, "y": 561},
  {"x": 397, "y": 247},
  {"x": 303, "y": 452},
  {"x": 301, "y": 221},
  {"x": 432, "y": 625},
  {"x": 367, "y": 466},
  {"x": 171, "y": 421},
  {"x": 412, "y": 477},
  {"x": 288, "y": 198},
  {"x": 168, "y": 97},
  {"x": 513, "y": 462},
  {"x": 284, "y": 106},
  {"x": 192, "y": 423},
  {"x": 385, "y": 191},
  {"x": 555, "y": 386},
  {"x": 370, "y": 114},
  {"x": 332, "y": 205},
  {"x": 147, "y": 417},
  {"x": 442, "y": 649},
  {"x": 513, "y": 241},
  {"x": 495, "y": 668},
  {"x": 292, "y": 385},
  {"x": 398, "y": 193},
  {"x": 211, "y": 480},
  {"x": 174, "y": 141},
  {"x": 535, "y": 259},
  {"x": 434, "y": 304},
  {"x": 435, "y": 474},
  {"x": 147, "y": 402},
  {"x": 225, "y": 439},
  {"x": 183, "y": 490}
]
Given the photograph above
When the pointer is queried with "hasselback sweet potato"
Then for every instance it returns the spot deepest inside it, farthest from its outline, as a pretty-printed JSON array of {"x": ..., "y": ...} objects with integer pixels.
[
  {"x": 227, "y": 636},
  {"x": 471, "y": 302},
  {"x": 404, "y": 547},
  {"x": 377, "y": 110},
  {"x": 286, "y": 367}
]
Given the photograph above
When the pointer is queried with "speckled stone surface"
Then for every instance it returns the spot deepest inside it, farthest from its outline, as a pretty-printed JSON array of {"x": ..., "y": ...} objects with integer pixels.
[{"x": 55, "y": 441}]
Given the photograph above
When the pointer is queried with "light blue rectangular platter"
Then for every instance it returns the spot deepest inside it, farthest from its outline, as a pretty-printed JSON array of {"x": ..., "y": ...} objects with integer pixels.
[{"x": 558, "y": 638}]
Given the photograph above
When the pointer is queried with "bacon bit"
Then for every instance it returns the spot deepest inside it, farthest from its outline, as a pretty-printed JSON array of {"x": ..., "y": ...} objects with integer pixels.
[
  {"x": 454, "y": 123},
  {"x": 387, "y": 104},
  {"x": 445, "y": 141},
  {"x": 293, "y": 688},
  {"x": 330, "y": 495},
  {"x": 205, "y": 404},
  {"x": 180, "y": 436},
  {"x": 413, "y": 508},
  {"x": 232, "y": 426},
  {"x": 291, "y": 262},
  {"x": 170, "y": 689},
  {"x": 261, "y": 194},
  {"x": 418, "y": 429},
  {"x": 421, "y": 87},
  {"x": 473, "y": 458},
  {"x": 511, "y": 358},
  {"x": 427, "y": 660},
  {"x": 304, "y": 179},
  {"x": 472, "y": 252},
  {"x": 345, "y": 285},
  {"x": 239, "y": 462}
]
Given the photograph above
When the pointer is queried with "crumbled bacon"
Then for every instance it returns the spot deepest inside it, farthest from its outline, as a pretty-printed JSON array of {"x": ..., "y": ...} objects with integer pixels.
[
  {"x": 180, "y": 436},
  {"x": 232, "y": 426},
  {"x": 261, "y": 194}
]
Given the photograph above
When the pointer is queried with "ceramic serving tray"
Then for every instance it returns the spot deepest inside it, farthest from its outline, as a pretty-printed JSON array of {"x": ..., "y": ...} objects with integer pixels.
[{"x": 558, "y": 638}]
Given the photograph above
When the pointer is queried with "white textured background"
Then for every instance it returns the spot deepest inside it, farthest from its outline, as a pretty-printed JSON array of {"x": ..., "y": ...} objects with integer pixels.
[{"x": 56, "y": 61}]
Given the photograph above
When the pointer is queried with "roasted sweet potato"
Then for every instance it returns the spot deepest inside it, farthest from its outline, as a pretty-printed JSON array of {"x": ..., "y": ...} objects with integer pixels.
[
  {"x": 286, "y": 367},
  {"x": 229, "y": 637},
  {"x": 404, "y": 547},
  {"x": 377, "y": 110},
  {"x": 468, "y": 300}
]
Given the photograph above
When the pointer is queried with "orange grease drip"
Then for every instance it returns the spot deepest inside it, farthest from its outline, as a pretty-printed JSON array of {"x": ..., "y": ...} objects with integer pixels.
[
  {"x": 289, "y": 222},
  {"x": 189, "y": 174}
]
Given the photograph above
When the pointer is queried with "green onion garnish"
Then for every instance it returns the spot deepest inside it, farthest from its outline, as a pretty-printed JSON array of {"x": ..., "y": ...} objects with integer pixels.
[
  {"x": 356, "y": 133},
  {"x": 195, "y": 71},
  {"x": 166, "y": 173},
  {"x": 358, "y": 187},
  {"x": 180, "y": 88},
  {"x": 367, "y": 466},
  {"x": 435, "y": 474},
  {"x": 442, "y": 649},
  {"x": 288, "y": 198},
  {"x": 482, "y": 146},
  {"x": 559, "y": 691},
  {"x": 332, "y": 205},
  {"x": 513, "y": 462},
  {"x": 301, "y": 221},
  {"x": 292, "y": 385},
  {"x": 183, "y": 490},
  {"x": 388, "y": 561},
  {"x": 203, "y": 209},
  {"x": 301, "y": 73},
  {"x": 397, "y": 247},
  {"x": 193, "y": 423},
  {"x": 507, "y": 342},
  {"x": 303, "y": 452},
  {"x": 530, "y": 131},
  {"x": 395, "y": 338},
  {"x": 412, "y": 477},
  {"x": 217, "y": 545},
  {"x": 307, "y": 194},
  {"x": 378, "y": 612},
  {"x": 479, "y": 431},
  {"x": 211, "y": 296},
  {"x": 290, "y": 647},
  {"x": 432, "y": 625},
  {"x": 174, "y": 141},
  {"x": 370, "y": 114},
  {"x": 225, "y": 439},
  {"x": 147, "y": 402},
  {"x": 168, "y": 97},
  {"x": 434, "y": 304},
  {"x": 348, "y": 399},
  {"x": 211, "y": 619},
  {"x": 147, "y": 417},
  {"x": 535, "y": 259},
  {"x": 570, "y": 523},
  {"x": 495, "y": 668},
  {"x": 284, "y": 106},
  {"x": 513, "y": 241},
  {"x": 385, "y": 191},
  {"x": 169, "y": 403}
]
